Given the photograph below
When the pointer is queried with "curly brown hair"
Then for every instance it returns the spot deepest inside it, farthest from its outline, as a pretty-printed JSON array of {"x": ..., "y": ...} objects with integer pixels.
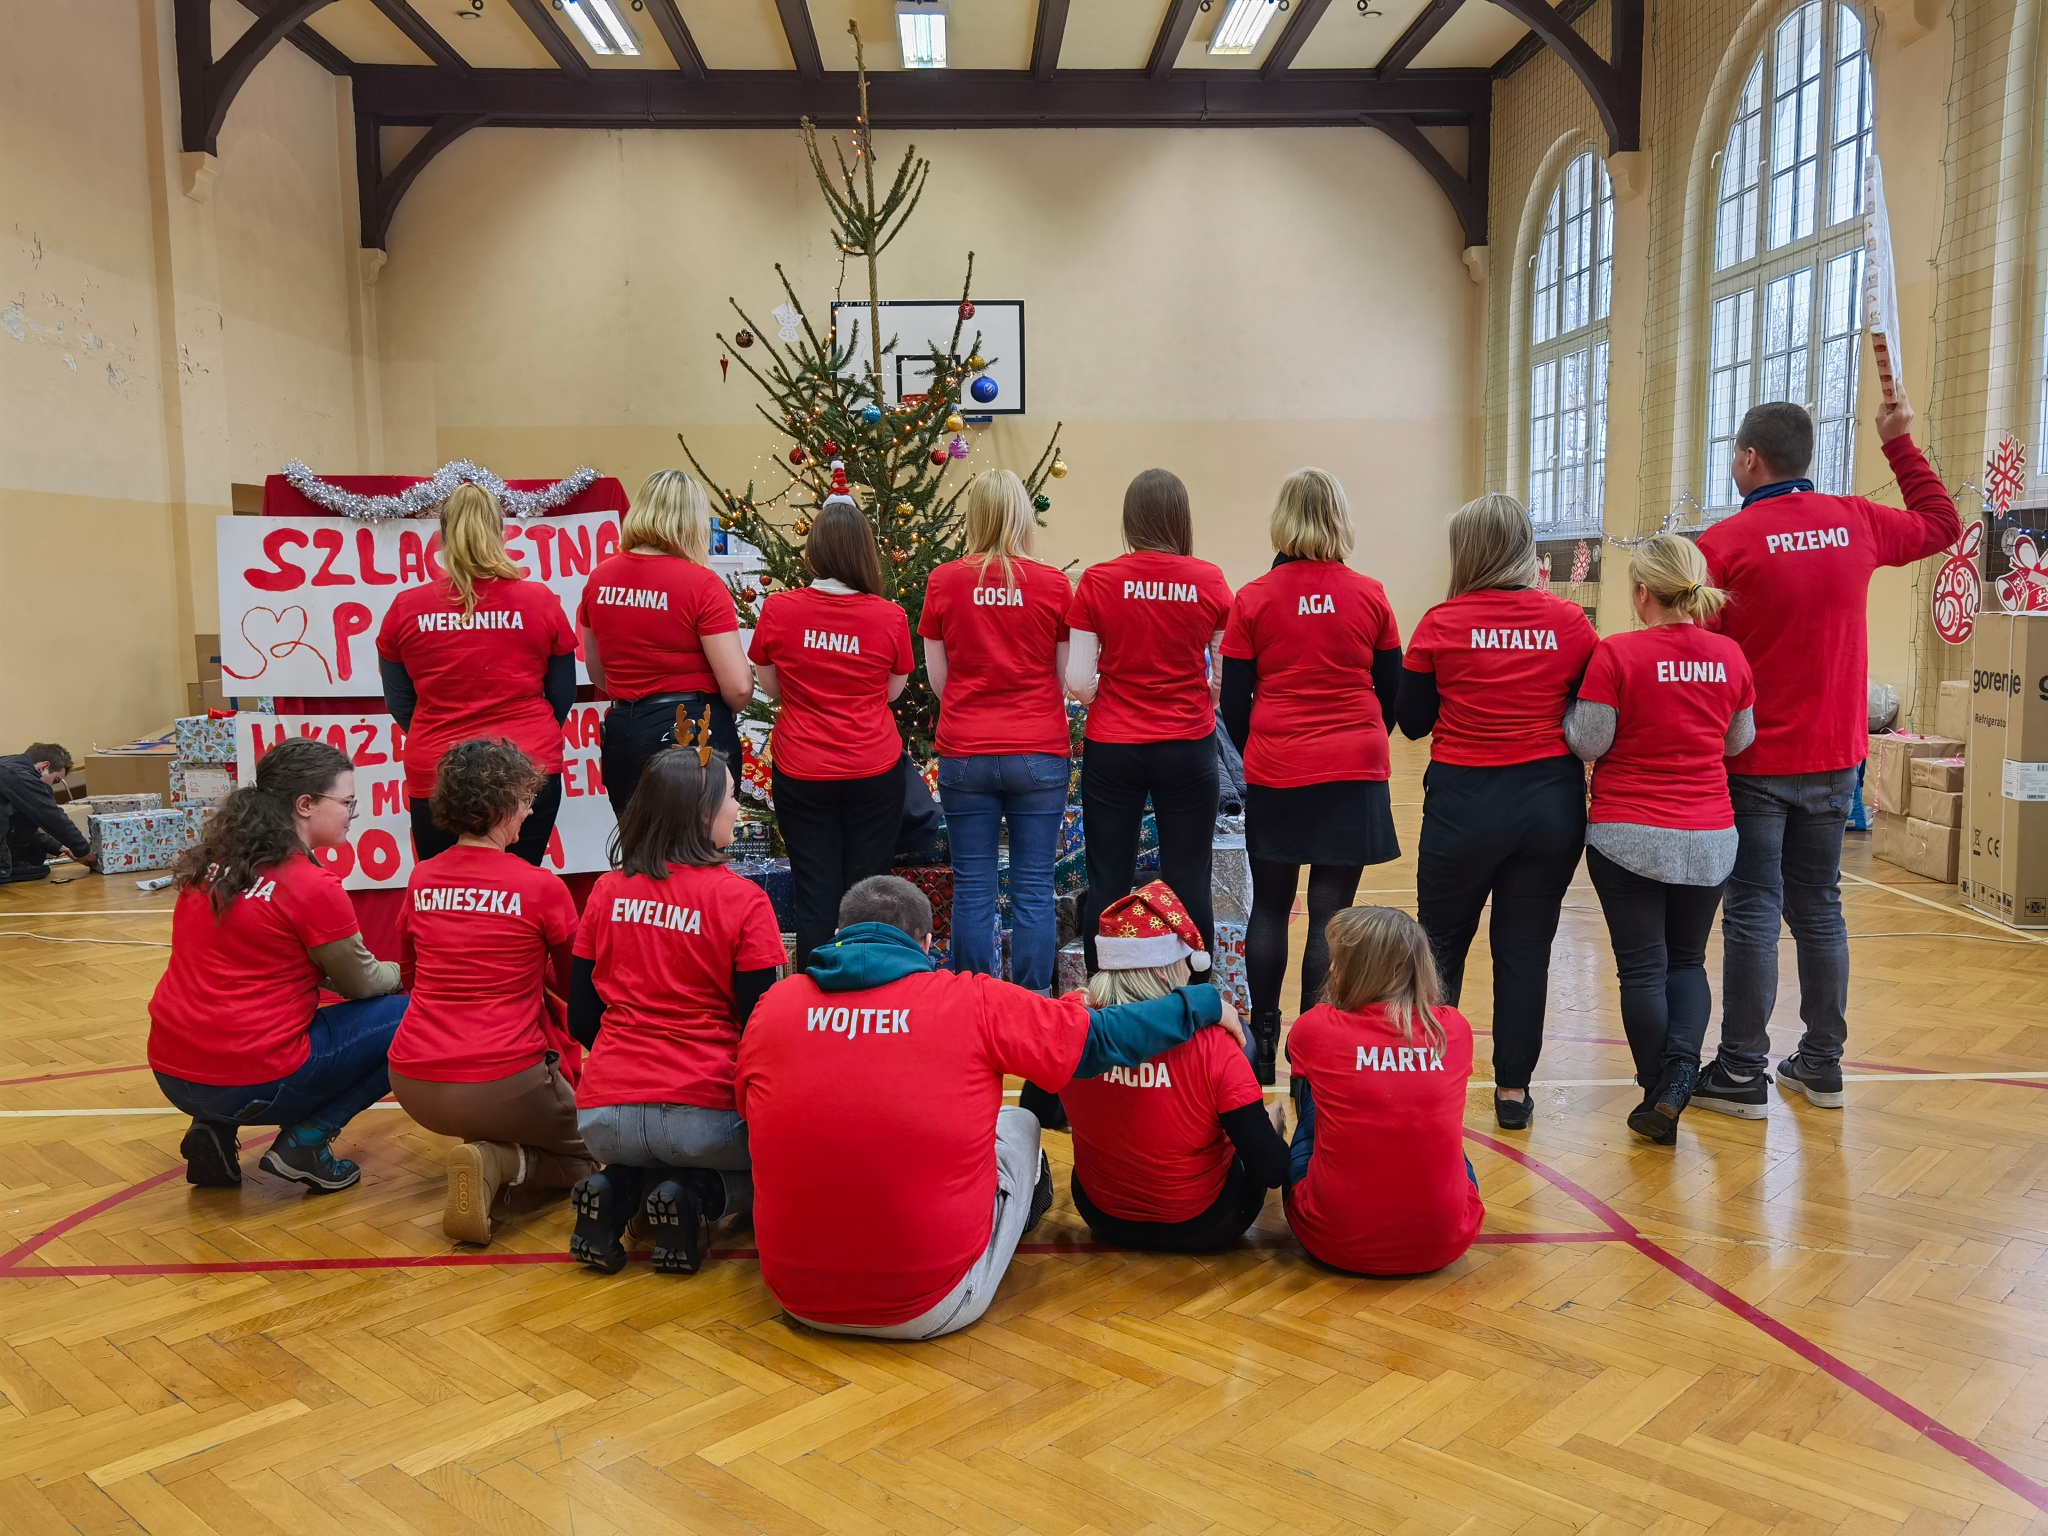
[
  {"x": 254, "y": 830},
  {"x": 479, "y": 784}
]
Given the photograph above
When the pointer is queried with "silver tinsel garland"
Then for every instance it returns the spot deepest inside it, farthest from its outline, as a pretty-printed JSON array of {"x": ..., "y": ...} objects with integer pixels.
[{"x": 418, "y": 500}]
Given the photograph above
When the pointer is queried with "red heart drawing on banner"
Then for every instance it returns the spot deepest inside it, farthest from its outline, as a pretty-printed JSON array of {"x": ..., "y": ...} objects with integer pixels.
[{"x": 278, "y": 643}]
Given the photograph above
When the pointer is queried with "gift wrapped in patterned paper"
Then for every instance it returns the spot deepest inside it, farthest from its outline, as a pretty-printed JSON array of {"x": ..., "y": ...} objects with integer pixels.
[
  {"x": 1227, "y": 968},
  {"x": 1069, "y": 969},
  {"x": 1070, "y": 874},
  {"x": 749, "y": 840},
  {"x": 203, "y": 739},
  {"x": 1148, "y": 846},
  {"x": 139, "y": 840},
  {"x": 1070, "y": 830},
  {"x": 119, "y": 805},
  {"x": 1066, "y": 911},
  {"x": 204, "y": 784},
  {"x": 1230, "y": 878},
  {"x": 772, "y": 875},
  {"x": 788, "y": 967},
  {"x": 936, "y": 881}
]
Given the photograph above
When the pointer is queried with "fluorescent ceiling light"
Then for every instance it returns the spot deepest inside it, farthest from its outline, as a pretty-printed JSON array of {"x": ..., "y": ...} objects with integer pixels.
[
  {"x": 602, "y": 26},
  {"x": 1243, "y": 25},
  {"x": 921, "y": 33}
]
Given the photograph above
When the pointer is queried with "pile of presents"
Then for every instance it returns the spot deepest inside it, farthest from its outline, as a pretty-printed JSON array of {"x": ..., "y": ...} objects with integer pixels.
[{"x": 152, "y": 796}]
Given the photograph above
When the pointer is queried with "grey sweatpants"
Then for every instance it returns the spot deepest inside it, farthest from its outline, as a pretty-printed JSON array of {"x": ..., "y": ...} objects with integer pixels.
[{"x": 1016, "y": 1177}]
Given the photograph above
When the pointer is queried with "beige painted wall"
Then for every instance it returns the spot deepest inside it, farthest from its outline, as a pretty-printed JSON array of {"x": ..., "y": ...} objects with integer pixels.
[{"x": 1232, "y": 305}]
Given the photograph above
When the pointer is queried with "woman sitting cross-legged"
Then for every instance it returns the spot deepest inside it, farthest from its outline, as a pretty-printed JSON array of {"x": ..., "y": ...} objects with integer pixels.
[
  {"x": 1175, "y": 1155},
  {"x": 673, "y": 953},
  {"x": 480, "y": 1056},
  {"x": 237, "y": 1035},
  {"x": 1380, "y": 1184}
]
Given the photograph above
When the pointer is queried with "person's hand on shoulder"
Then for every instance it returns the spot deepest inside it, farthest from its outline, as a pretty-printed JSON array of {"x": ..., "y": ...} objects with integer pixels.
[
  {"x": 1894, "y": 416},
  {"x": 1230, "y": 1021}
]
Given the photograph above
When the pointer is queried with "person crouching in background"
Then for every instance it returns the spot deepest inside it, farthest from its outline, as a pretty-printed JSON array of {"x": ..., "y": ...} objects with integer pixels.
[
  {"x": 483, "y": 1056},
  {"x": 1380, "y": 1184}
]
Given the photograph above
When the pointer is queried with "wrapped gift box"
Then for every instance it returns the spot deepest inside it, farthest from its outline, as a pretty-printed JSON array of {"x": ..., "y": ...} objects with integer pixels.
[
  {"x": 749, "y": 841},
  {"x": 203, "y": 739},
  {"x": 772, "y": 875},
  {"x": 119, "y": 805},
  {"x": 138, "y": 840},
  {"x": 1230, "y": 878},
  {"x": 1069, "y": 969},
  {"x": 1228, "y": 967},
  {"x": 936, "y": 881},
  {"x": 1070, "y": 830},
  {"x": 788, "y": 956}
]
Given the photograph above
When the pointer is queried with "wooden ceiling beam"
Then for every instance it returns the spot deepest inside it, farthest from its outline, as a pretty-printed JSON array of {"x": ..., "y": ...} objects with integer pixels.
[
  {"x": 535, "y": 14},
  {"x": 1615, "y": 83},
  {"x": 668, "y": 21},
  {"x": 803, "y": 37},
  {"x": 1420, "y": 31},
  {"x": 421, "y": 34},
  {"x": 1047, "y": 34},
  {"x": 378, "y": 192},
  {"x": 1173, "y": 33},
  {"x": 1288, "y": 44},
  {"x": 207, "y": 86}
]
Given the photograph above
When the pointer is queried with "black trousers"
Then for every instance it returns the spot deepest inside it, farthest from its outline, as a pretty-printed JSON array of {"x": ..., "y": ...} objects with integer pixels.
[
  {"x": 1331, "y": 888},
  {"x": 534, "y": 832},
  {"x": 839, "y": 832},
  {"x": 1514, "y": 834},
  {"x": 1659, "y": 933},
  {"x": 1180, "y": 779},
  {"x": 636, "y": 729},
  {"x": 1216, "y": 1229}
]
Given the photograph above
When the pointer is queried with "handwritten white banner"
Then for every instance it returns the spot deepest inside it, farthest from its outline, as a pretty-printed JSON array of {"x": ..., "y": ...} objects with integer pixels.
[
  {"x": 378, "y": 853},
  {"x": 301, "y": 598}
]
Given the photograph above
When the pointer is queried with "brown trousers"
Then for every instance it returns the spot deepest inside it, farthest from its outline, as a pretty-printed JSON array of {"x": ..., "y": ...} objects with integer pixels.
[{"x": 534, "y": 1109}]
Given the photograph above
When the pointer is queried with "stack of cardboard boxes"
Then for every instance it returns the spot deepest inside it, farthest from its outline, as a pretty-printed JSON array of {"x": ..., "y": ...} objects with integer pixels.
[
  {"x": 2005, "y": 873},
  {"x": 1913, "y": 785}
]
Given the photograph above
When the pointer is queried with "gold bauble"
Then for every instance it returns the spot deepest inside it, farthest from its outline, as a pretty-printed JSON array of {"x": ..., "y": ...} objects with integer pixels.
[
  {"x": 954, "y": 423},
  {"x": 905, "y": 511},
  {"x": 803, "y": 526},
  {"x": 1058, "y": 470},
  {"x": 977, "y": 361}
]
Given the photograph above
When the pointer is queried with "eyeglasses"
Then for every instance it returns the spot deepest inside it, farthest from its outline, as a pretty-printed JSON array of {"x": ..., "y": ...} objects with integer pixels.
[{"x": 350, "y": 802}]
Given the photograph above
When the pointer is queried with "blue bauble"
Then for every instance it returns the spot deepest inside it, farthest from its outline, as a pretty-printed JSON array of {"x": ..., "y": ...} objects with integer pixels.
[
  {"x": 983, "y": 389},
  {"x": 871, "y": 414}
]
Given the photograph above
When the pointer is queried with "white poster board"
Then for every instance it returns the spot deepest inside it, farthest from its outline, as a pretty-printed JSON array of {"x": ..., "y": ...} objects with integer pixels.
[
  {"x": 1880, "y": 281},
  {"x": 301, "y": 598},
  {"x": 920, "y": 328},
  {"x": 378, "y": 853}
]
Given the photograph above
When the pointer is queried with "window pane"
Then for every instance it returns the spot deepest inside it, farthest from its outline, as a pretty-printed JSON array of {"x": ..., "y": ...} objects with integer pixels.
[
  {"x": 1796, "y": 126},
  {"x": 1596, "y": 490},
  {"x": 1735, "y": 218},
  {"x": 1603, "y": 285},
  {"x": 1728, "y": 387},
  {"x": 1841, "y": 344},
  {"x": 1542, "y": 442},
  {"x": 1543, "y": 317}
]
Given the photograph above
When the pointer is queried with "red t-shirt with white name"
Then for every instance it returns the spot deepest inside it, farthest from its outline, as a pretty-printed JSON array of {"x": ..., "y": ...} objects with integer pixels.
[
  {"x": 1313, "y": 628},
  {"x": 1003, "y": 688},
  {"x": 1674, "y": 688},
  {"x": 478, "y": 676},
  {"x": 1797, "y": 569},
  {"x": 1505, "y": 660},
  {"x": 1149, "y": 1143},
  {"x": 475, "y": 934},
  {"x": 871, "y": 1117},
  {"x": 235, "y": 1002},
  {"x": 1386, "y": 1191},
  {"x": 1153, "y": 615},
  {"x": 833, "y": 655},
  {"x": 664, "y": 953},
  {"x": 649, "y": 613}
]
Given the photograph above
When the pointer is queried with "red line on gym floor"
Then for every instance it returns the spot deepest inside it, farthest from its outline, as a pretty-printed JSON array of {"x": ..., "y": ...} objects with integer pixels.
[
  {"x": 1913, "y": 1418},
  {"x": 58, "y": 1077},
  {"x": 13, "y": 1257}
]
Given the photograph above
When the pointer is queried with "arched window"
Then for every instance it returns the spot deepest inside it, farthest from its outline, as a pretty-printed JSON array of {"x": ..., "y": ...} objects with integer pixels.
[
  {"x": 1572, "y": 287},
  {"x": 1786, "y": 298}
]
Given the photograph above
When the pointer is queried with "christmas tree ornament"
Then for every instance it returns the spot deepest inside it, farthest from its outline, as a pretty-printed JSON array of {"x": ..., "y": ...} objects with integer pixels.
[
  {"x": 939, "y": 455},
  {"x": 796, "y": 455},
  {"x": 957, "y": 448},
  {"x": 803, "y": 526},
  {"x": 787, "y": 318},
  {"x": 977, "y": 362},
  {"x": 983, "y": 389},
  {"x": 871, "y": 414},
  {"x": 724, "y": 363},
  {"x": 954, "y": 422},
  {"x": 1041, "y": 502},
  {"x": 1058, "y": 470},
  {"x": 966, "y": 309},
  {"x": 743, "y": 337},
  {"x": 828, "y": 448},
  {"x": 899, "y": 557},
  {"x": 749, "y": 593},
  {"x": 905, "y": 511}
]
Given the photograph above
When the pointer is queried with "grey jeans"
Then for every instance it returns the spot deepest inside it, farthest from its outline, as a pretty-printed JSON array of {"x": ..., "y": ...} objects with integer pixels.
[
  {"x": 1016, "y": 1177},
  {"x": 1788, "y": 865},
  {"x": 674, "y": 1136}
]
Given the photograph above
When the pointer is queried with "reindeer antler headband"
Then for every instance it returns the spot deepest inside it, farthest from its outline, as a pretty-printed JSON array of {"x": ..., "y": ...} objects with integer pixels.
[{"x": 691, "y": 733}]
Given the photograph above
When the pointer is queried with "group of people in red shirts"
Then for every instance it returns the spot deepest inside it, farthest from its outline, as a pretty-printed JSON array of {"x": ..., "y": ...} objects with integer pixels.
[{"x": 643, "y": 1055}]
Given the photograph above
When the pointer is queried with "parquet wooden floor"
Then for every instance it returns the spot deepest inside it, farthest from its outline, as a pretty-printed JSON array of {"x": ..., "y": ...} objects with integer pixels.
[{"x": 1826, "y": 1322}]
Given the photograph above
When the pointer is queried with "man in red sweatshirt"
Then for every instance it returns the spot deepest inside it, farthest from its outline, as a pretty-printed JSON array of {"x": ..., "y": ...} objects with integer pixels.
[{"x": 1797, "y": 566}]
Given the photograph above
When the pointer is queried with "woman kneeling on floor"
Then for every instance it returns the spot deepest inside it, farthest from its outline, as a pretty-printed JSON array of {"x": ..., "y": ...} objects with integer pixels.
[
  {"x": 1380, "y": 1183},
  {"x": 1176, "y": 1155},
  {"x": 673, "y": 953},
  {"x": 480, "y": 1056},
  {"x": 237, "y": 1035}
]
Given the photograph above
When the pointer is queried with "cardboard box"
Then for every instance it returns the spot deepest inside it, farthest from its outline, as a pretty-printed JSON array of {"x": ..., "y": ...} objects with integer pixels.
[
  {"x": 1952, "y": 710},
  {"x": 1940, "y": 807},
  {"x": 129, "y": 771},
  {"x": 1942, "y": 773},
  {"x": 2005, "y": 827},
  {"x": 1887, "y": 778},
  {"x": 1919, "y": 846}
]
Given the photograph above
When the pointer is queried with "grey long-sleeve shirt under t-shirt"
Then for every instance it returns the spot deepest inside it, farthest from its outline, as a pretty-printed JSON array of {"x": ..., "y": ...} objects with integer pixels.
[{"x": 1673, "y": 855}]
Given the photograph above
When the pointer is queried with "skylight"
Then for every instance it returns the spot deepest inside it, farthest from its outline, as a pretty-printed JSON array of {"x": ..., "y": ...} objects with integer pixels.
[
  {"x": 602, "y": 26},
  {"x": 921, "y": 31},
  {"x": 1243, "y": 25}
]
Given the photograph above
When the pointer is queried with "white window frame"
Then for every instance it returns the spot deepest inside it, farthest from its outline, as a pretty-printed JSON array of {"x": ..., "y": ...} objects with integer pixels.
[
  {"x": 1571, "y": 294},
  {"x": 1785, "y": 316}
]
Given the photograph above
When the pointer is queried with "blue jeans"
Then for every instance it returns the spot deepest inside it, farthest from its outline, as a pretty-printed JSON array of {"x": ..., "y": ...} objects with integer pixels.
[
  {"x": 1029, "y": 788},
  {"x": 1788, "y": 864},
  {"x": 343, "y": 1075}
]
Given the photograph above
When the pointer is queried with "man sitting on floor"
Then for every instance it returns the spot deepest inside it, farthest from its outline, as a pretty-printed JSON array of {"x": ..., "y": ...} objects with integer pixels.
[
  {"x": 891, "y": 1185},
  {"x": 33, "y": 826}
]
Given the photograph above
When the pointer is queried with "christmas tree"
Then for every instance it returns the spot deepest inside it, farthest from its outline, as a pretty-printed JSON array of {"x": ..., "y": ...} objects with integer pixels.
[{"x": 905, "y": 463}]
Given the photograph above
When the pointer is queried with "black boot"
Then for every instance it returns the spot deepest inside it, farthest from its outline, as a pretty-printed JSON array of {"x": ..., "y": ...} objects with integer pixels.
[
  {"x": 604, "y": 1203},
  {"x": 675, "y": 1220},
  {"x": 1657, "y": 1118},
  {"x": 1266, "y": 1040}
]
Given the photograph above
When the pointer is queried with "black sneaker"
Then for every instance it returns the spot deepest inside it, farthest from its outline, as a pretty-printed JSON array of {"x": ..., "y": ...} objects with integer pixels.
[
  {"x": 1656, "y": 1118},
  {"x": 16, "y": 874},
  {"x": 602, "y": 1209},
  {"x": 1514, "y": 1114},
  {"x": 212, "y": 1156},
  {"x": 312, "y": 1164},
  {"x": 1266, "y": 1040},
  {"x": 1041, "y": 1193},
  {"x": 1820, "y": 1081},
  {"x": 676, "y": 1224},
  {"x": 1747, "y": 1098}
]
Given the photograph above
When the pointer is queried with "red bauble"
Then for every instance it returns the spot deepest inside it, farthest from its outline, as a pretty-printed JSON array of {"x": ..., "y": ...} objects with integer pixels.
[
  {"x": 967, "y": 309},
  {"x": 828, "y": 448},
  {"x": 939, "y": 455},
  {"x": 796, "y": 455}
]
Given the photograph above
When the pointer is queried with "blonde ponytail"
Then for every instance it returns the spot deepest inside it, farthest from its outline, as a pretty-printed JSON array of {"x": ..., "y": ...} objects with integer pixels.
[
  {"x": 1672, "y": 570},
  {"x": 1381, "y": 955},
  {"x": 473, "y": 543}
]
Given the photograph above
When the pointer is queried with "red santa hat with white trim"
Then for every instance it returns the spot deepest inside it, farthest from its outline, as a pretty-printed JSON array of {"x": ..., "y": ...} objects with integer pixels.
[{"x": 1147, "y": 929}]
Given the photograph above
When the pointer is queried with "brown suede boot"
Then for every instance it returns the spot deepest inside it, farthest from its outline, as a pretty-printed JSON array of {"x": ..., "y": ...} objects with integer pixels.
[{"x": 477, "y": 1170}]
